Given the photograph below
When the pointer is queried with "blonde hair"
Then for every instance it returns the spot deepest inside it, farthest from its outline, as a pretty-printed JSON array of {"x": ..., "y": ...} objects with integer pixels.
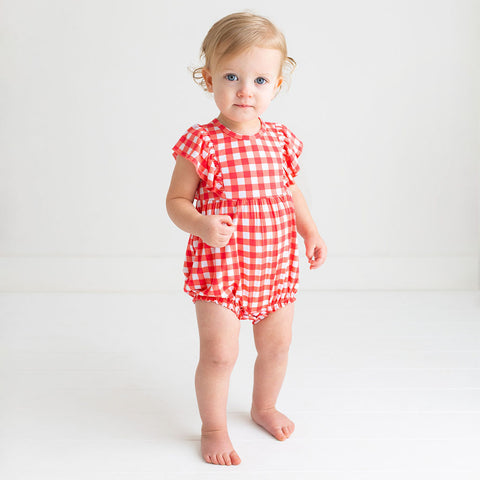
[{"x": 236, "y": 33}]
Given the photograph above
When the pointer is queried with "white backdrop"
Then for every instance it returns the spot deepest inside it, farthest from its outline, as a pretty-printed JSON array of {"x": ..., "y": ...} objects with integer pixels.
[{"x": 94, "y": 93}]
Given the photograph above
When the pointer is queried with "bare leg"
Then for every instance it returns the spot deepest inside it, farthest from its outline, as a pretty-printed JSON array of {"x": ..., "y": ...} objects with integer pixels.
[
  {"x": 272, "y": 340},
  {"x": 219, "y": 330}
]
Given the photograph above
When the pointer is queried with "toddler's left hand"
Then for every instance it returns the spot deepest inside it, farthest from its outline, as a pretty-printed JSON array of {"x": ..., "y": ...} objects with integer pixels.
[{"x": 316, "y": 250}]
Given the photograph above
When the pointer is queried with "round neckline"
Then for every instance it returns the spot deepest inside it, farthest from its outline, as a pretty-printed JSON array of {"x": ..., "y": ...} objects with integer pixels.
[{"x": 239, "y": 136}]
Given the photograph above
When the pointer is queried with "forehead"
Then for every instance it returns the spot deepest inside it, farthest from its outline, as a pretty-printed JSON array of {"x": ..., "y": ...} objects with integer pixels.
[{"x": 257, "y": 58}]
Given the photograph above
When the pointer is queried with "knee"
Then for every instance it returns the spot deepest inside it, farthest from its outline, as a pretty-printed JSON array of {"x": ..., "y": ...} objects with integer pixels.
[
  {"x": 219, "y": 359},
  {"x": 275, "y": 350}
]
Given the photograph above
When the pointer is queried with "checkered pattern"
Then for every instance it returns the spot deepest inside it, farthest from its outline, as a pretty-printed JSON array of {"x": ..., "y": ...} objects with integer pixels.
[{"x": 245, "y": 177}]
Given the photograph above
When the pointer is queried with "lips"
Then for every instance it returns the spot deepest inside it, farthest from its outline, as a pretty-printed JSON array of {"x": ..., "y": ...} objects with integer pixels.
[{"x": 242, "y": 106}]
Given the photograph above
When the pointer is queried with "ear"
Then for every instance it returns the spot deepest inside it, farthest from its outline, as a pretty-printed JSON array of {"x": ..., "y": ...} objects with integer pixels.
[
  {"x": 278, "y": 84},
  {"x": 207, "y": 76}
]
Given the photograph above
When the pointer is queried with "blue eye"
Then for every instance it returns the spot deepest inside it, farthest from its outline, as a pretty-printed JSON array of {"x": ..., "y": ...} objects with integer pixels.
[
  {"x": 261, "y": 81},
  {"x": 231, "y": 77}
]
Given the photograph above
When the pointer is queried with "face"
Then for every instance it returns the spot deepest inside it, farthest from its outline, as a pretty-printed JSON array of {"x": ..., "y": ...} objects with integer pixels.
[{"x": 243, "y": 86}]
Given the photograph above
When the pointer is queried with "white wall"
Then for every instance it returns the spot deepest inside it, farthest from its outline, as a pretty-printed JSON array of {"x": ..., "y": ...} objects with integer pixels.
[{"x": 94, "y": 93}]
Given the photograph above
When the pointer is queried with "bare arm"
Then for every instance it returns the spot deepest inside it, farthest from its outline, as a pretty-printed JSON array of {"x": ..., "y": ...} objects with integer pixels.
[
  {"x": 215, "y": 230},
  {"x": 316, "y": 250}
]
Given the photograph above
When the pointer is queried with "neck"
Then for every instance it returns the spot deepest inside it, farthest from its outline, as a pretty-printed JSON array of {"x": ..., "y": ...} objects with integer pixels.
[{"x": 250, "y": 128}]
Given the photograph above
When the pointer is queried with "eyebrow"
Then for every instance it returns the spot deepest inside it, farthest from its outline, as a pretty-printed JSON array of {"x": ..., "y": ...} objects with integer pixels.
[{"x": 258, "y": 74}]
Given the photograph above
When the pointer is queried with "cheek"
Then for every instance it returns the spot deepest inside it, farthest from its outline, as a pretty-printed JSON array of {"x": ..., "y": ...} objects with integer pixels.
[
  {"x": 220, "y": 90},
  {"x": 269, "y": 95},
  {"x": 219, "y": 94}
]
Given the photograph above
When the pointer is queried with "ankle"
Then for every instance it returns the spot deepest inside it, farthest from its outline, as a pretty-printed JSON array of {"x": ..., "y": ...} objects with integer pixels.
[
  {"x": 210, "y": 429},
  {"x": 263, "y": 408}
]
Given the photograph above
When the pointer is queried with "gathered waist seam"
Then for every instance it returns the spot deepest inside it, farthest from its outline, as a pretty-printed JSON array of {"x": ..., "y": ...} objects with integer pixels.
[{"x": 236, "y": 201}]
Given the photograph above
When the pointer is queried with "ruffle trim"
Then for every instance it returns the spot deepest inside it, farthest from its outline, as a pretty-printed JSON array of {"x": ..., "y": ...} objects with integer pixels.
[
  {"x": 242, "y": 313},
  {"x": 197, "y": 147},
  {"x": 293, "y": 148}
]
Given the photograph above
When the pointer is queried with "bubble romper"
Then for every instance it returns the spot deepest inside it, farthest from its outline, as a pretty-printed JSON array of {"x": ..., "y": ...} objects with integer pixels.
[{"x": 246, "y": 177}]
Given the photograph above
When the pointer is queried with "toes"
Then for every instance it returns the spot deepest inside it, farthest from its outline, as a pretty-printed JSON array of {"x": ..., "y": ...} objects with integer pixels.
[
  {"x": 283, "y": 433},
  {"x": 235, "y": 458},
  {"x": 223, "y": 459}
]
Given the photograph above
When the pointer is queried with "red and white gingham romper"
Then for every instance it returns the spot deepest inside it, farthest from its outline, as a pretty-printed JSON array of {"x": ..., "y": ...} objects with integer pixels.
[{"x": 245, "y": 177}]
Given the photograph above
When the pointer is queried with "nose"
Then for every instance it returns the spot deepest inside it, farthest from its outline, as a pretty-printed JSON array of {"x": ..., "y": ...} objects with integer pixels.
[{"x": 244, "y": 90}]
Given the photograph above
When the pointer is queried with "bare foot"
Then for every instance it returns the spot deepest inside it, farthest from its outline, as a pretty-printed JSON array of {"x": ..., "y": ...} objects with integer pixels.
[
  {"x": 274, "y": 422},
  {"x": 218, "y": 449}
]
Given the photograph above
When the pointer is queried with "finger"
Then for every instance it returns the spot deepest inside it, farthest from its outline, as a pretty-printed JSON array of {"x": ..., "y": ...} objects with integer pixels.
[
  {"x": 317, "y": 263},
  {"x": 314, "y": 263},
  {"x": 320, "y": 258},
  {"x": 309, "y": 249},
  {"x": 227, "y": 220},
  {"x": 312, "y": 251},
  {"x": 227, "y": 230}
]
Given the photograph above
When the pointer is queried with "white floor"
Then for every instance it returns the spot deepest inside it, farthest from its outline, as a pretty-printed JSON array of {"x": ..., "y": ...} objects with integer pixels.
[{"x": 381, "y": 385}]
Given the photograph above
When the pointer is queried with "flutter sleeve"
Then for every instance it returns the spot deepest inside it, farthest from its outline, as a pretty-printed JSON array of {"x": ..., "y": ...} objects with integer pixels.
[
  {"x": 292, "y": 149},
  {"x": 196, "y": 146}
]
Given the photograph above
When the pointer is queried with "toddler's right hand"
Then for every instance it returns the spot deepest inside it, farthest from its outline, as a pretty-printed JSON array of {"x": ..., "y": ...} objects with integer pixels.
[{"x": 216, "y": 230}]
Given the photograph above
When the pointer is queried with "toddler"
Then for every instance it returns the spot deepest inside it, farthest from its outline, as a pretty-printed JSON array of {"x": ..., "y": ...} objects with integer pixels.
[{"x": 233, "y": 190}]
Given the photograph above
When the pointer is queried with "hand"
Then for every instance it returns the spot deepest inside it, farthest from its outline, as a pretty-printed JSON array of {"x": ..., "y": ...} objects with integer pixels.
[
  {"x": 216, "y": 230},
  {"x": 315, "y": 249}
]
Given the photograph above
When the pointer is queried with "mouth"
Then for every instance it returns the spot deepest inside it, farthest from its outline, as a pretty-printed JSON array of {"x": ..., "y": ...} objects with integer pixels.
[{"x": 239, "y": 105}]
